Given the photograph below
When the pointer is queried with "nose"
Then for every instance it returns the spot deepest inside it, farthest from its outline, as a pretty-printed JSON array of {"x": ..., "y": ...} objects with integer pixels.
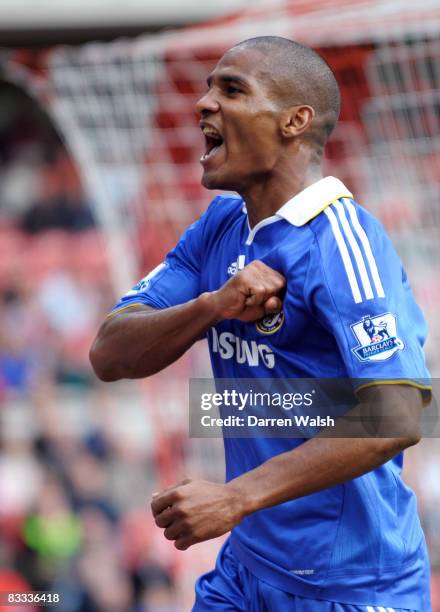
[{"x": 207, "y": 103}]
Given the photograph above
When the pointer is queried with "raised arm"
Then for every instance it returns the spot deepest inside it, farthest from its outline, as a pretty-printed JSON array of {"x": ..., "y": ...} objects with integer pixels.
[{"x": 140, "y": 341}]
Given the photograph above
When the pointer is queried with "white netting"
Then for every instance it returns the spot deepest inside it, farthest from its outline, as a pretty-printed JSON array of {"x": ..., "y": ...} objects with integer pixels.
[
  {"x": 104, "y": 98},
  {"x": 402, "y": 119}
]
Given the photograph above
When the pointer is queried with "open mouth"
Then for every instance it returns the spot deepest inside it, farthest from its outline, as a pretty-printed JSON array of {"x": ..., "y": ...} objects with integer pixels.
[{"x": 213, "y": 142}]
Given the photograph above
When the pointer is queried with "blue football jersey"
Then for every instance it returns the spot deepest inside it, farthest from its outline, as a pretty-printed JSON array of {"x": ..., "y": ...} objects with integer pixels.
[{"x": 348, "y": 312}]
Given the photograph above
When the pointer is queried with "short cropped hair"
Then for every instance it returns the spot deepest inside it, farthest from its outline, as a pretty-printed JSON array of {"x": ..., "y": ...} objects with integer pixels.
[{"x": 300, "y": 76}]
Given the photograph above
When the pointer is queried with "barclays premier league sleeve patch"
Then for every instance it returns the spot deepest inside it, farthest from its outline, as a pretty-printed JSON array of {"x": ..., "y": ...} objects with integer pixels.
[{"x": 377, "y": 337}]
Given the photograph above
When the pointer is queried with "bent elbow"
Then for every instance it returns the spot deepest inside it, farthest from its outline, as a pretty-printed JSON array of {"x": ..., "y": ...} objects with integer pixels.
[
  {"x": 102, "y": 365},
  {"x": 390, "y": 447},
  {"x": 411, "y": 440}
]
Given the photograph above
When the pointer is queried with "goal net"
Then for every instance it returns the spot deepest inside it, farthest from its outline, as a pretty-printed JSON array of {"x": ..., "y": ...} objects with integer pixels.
[
  {"x": 130, "y": 129},
  {"x": 402, "y": 122}
]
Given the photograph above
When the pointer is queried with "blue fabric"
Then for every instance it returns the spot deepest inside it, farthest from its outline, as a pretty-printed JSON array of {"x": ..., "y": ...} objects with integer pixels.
[
  {"x": 230, "y": 587},
  {"x": 354, "y": 317}
]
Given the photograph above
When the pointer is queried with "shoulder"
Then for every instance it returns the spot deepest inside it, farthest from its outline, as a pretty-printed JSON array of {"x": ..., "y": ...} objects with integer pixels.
[
  {"x": 351, "y": 245},
  {"x": 223, "y": 213},
  {"x": 346, "y": 228},
  {"x": 220, "y": 209},
  {"x": 347, "y": 217},
  {"x": 224, "y": 208}
]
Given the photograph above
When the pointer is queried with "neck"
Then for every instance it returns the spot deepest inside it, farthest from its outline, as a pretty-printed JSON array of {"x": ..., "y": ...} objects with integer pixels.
[{"x": 264, "y": 198}]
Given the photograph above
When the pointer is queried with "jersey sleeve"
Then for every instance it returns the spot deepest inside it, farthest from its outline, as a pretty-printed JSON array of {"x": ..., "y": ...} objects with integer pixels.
[
  {"x": 358, "y": 290},
  {"x": 177, "y": 279}
]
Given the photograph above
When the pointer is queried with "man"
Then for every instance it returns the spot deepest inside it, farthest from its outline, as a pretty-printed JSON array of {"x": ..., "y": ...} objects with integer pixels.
[{"x": 324, "y": 524}]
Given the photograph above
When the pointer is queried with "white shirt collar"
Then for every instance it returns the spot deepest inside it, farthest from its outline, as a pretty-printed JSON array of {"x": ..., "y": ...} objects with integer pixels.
[{"x": 312, "y": 200}]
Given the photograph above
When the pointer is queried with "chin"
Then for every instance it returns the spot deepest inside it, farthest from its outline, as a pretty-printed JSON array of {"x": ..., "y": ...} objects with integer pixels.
[
  {"x": 214, "y": 181},
  {"x": 210, "y": 181}
]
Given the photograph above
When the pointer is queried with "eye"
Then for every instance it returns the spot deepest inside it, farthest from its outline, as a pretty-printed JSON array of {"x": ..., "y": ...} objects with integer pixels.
[{"x": 232, "y": 90}]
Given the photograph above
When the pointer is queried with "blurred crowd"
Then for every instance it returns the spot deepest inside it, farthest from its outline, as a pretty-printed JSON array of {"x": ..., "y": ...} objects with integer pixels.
[
  {"x": 78, "y": 462},
  {"x": 78, "y": 459},
  {"x": 39, "y": 188}
]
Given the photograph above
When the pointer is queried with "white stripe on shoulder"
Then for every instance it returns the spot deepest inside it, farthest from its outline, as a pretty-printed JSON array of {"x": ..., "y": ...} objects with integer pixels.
[
  {"x": 380, "y": 609},
  {"x": 370, "y": 609},
  {"x": 391, "y": 610},
  {"x": 345, "y": 255},
  {"x": 367, "y": 247},
  {"x": 356, "y": 251}
]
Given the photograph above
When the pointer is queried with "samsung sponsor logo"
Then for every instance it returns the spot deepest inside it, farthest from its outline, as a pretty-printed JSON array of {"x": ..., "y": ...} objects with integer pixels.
[{"x": 250, "y": 352}]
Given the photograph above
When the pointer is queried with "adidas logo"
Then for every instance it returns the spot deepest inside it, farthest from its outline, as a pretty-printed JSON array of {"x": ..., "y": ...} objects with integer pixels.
[
  {"x": 236, "y": 266},
  {"x": 232, "y": 269}
]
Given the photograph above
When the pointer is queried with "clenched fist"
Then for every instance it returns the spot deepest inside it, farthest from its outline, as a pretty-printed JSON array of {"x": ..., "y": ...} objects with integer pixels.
[
  {"x": 251, "y": 294},
  {"x": 195, "y": 511}
]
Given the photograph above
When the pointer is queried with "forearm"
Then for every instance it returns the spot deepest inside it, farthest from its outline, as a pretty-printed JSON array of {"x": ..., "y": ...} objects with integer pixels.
[
  {"x": 194, "y": 511},
  {"x": 139, "y": 342},
  {"x": 379, "y": 427},
  {"x": 315, "y": 465}
]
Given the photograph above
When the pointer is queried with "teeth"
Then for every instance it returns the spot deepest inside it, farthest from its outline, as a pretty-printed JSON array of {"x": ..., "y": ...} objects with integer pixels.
[{"x": 211, "y": 132}]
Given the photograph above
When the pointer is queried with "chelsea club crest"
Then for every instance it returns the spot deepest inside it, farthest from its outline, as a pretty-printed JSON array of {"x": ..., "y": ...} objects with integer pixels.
[
  {"x": 377, "y": 337},
  {"x": 271, "y": 323}
]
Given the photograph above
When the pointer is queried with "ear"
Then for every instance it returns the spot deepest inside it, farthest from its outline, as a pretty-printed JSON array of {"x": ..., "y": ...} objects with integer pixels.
[{"x": 296, "y": 120}]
